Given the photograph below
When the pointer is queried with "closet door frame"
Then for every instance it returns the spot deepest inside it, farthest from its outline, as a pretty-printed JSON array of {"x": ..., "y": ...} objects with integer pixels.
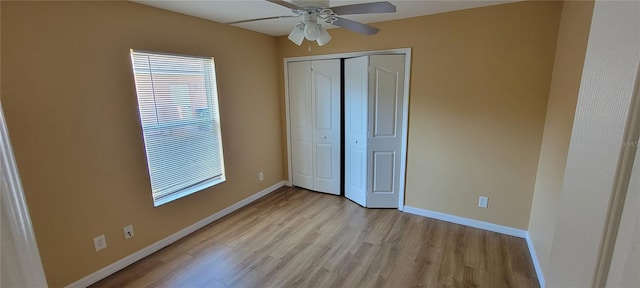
[{"x": 405, "y": 117}]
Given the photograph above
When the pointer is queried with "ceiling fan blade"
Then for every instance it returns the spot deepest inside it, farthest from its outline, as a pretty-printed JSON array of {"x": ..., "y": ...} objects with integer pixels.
[
  {"x": 356, "y": 26},
  {"x": 285, "y": 4},
  {"x": 365, "y": 8},
  {"x": 260, "y": 19}
]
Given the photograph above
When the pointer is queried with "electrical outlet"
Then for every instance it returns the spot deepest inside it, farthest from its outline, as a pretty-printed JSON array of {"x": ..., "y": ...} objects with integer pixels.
[
  {"x": 261, "y": 176},
  {"x": 100, "y": 242},
  {"x": 128, "y": 231},
  {"x": 483, "y": 202}
]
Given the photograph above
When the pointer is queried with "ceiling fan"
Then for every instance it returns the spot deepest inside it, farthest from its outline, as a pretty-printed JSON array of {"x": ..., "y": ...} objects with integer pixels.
[{"x": 315, "y": 12}]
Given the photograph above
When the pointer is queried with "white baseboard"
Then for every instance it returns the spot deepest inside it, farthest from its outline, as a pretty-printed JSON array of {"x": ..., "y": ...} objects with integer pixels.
[
  {"x": 467, "y": 222},
  {"x": 536, "y": 262},
  {"x": 126, "y": 261}
]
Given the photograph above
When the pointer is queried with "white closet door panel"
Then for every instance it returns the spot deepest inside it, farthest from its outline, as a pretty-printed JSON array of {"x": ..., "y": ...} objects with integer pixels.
[
  {"x": 301, "y": 124},
  {"x": 386, "y": 102},
  {"x": 323, "y": 101},
  {"x": 384, "y": 169},
  {"x": 356, "y": 75},
  {"x": 357, "y": 173},
  {"x": 326, "y": 119},
  {"x": 386, "y": 90},
  {"x": 302, "y": 160},
  {"x": 324, "y": 169}
]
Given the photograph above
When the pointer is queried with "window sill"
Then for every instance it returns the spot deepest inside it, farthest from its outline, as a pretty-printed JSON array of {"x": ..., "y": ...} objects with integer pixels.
[{"x": 187, "y": 191}]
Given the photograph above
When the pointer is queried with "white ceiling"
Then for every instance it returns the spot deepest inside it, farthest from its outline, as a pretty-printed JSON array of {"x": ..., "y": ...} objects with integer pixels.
[{"x": 233, "y": 10}]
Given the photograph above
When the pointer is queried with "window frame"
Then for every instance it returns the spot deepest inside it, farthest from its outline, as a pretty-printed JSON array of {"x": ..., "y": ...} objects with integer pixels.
[{"x": 211, "y": 91}]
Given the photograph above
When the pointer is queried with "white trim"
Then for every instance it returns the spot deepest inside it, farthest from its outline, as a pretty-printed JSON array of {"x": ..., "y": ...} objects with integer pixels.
[
  {"x": 26, "y": 269},
  {"x": 348, "y": 55},
  {"x": 126, "y": 261},
  {"x": 405, "y": 116},
  {"x": 534, "y": 259},
  {"x": 405, "y": 130},
  {"x": 621, "y": 188},
  {"x": 169, "y": 197},
  {"x": 286, "y": 110},
  {"x": 467, "y": 222}
]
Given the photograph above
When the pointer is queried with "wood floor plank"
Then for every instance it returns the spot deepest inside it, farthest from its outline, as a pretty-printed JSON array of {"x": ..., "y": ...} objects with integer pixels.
[{"x": 297, "y": 238}]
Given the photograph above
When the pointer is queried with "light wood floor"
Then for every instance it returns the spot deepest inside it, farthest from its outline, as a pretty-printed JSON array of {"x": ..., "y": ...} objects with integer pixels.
[{"x": 297, "y": 238}]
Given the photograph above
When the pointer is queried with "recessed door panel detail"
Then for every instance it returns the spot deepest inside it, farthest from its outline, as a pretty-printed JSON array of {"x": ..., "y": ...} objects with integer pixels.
[
  {"x": 358, "y": 169},
  {"x": 323, "y": 168},
  {"x": 385, "y": 102},
  {"x": 302, "y": 158},
  {"x": 383, "y": 172},
  {"x": 323, "y": 99},
  {"x": 299, "y": 105},
  {"x": 357, "y": 102}
]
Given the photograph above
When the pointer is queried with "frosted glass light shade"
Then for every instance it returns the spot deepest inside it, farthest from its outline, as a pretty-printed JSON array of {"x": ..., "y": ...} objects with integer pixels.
[
  {"x": 324, "y": 37},
  {"x": 312, "y": 30},
  {"x": 297, "y": 35}
]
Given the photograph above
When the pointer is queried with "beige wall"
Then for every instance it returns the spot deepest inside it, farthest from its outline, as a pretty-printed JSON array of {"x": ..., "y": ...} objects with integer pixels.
[
  {"x": 479, "y": 88},
  {"x": 70, "y": 104},
  {"x": 567, "y": 72}
]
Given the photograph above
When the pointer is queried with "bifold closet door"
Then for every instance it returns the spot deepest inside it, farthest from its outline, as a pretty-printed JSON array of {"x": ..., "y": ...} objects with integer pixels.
[
  {"x": 356, "y": 82},
  {"x": 384, "y": 144},
  {"x": 314, "y": 110},
  {"x": 374, "y": 95},
  {"x": 301, "y": 124}
]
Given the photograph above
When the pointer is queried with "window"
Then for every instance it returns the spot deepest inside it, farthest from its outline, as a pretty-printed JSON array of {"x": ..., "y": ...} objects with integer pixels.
[{"x": 178, "y": 105}]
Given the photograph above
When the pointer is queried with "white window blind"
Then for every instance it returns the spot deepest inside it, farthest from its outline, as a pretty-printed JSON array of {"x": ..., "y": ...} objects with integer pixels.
[{"x": 178, "y": 105}]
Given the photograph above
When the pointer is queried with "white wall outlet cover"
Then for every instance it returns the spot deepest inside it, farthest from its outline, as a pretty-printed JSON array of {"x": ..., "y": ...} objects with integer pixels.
[
  {"x": 100, "y": 243},
  {"x": 483, "y": 202},
  {"x": 261, "y": 176},
  {"x": 128, "y": 231}
]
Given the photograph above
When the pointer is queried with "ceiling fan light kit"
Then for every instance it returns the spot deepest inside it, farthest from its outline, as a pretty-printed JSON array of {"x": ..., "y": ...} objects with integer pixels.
[
  {"x": 309, "y": 26},
  {"x": 312, "y": 11},
  {"x": 310, "y": 29}
]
